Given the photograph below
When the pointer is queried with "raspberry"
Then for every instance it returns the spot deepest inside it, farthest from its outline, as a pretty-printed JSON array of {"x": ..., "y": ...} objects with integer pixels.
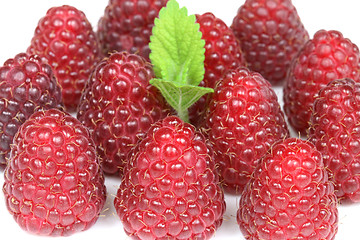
[
  {"x": 243, "y": 120},
  {"x": 118, "y": 106},
  {"x": 53, "y": 182},
  {"x": 127, "y": 24},
  {"x": 222, "y": 54},
  {"x": 289, "y": 196},
  {"x": 271, "y": 34},
  {"x": 64, "y": 38},
  {"x": 334, "y": 130},
  {"x": 170, "y": 189},
  {"x": 328, "y": 56},
  {"x": 26, "y": 85}
]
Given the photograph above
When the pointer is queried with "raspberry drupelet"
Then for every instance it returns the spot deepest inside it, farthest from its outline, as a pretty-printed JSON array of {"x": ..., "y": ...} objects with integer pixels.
[
  {"x": 64, "y": 39},
  {"x": 289, "y": 196},
  {"x": 54, "y": 185},
  {"x": 271, "y": 34},
  {"x": 127, "y": 24},
  {"x": 170, "y": 189}
]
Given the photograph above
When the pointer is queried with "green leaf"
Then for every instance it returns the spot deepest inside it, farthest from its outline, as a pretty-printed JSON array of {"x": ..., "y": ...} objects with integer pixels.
[
  {"x": 178, "y": 54},
  {"x": 177, "y": 50},
  {"x": 180, "y": 97}
]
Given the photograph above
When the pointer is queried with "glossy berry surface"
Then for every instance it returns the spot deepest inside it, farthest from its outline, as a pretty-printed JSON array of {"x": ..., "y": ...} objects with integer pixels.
[
  {"x": 118, "y": 106},
  {"x": 326, "y": 57},
  {"x": 53, "y": 185},
  {"x": 127, "y": 24},
  {"x": 170, "y": 189},
  {"x": 271, "y": 34},
  {"x": 335, "y": 131},
  {"x": 222, "y": 54},
  {"x": 26, "y": 85},
  {"x": 243, "y": 120},
  {"x": 289, "y": 196},
  {"x": 65, "y": 40}
]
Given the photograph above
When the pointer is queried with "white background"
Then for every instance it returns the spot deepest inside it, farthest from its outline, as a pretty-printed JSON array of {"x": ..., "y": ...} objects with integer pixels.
[{"x": 18, "y": 19}]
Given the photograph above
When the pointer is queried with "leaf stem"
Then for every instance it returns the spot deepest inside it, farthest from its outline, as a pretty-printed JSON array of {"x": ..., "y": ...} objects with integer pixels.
[{"x": 184, "y": 115}]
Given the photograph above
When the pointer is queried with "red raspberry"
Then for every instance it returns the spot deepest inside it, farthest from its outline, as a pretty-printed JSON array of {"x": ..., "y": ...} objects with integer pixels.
[
  {"x": 289, "y": 196},
  {"x": 118, "y": 106},
  {"x": 271, "y": 34},
  {"x": 222, "y": 53},
  {"x": 170, "y": 190},
  {"x": 26, "y": 85},
  {"x": 64, "y": 38},
  {"x": 335, "y": 132},
  {"x": 243, "y": 120},
  {"x": 53, "y": 182},
  {"x": 127, "y": 25},
  {"x": 328, "y": 56}
]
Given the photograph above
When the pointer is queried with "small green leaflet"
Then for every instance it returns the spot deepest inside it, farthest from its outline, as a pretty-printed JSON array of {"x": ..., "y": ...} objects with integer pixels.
[
  {"x": 177, "y": 55},
  {"x": 180, "y": 97}
]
